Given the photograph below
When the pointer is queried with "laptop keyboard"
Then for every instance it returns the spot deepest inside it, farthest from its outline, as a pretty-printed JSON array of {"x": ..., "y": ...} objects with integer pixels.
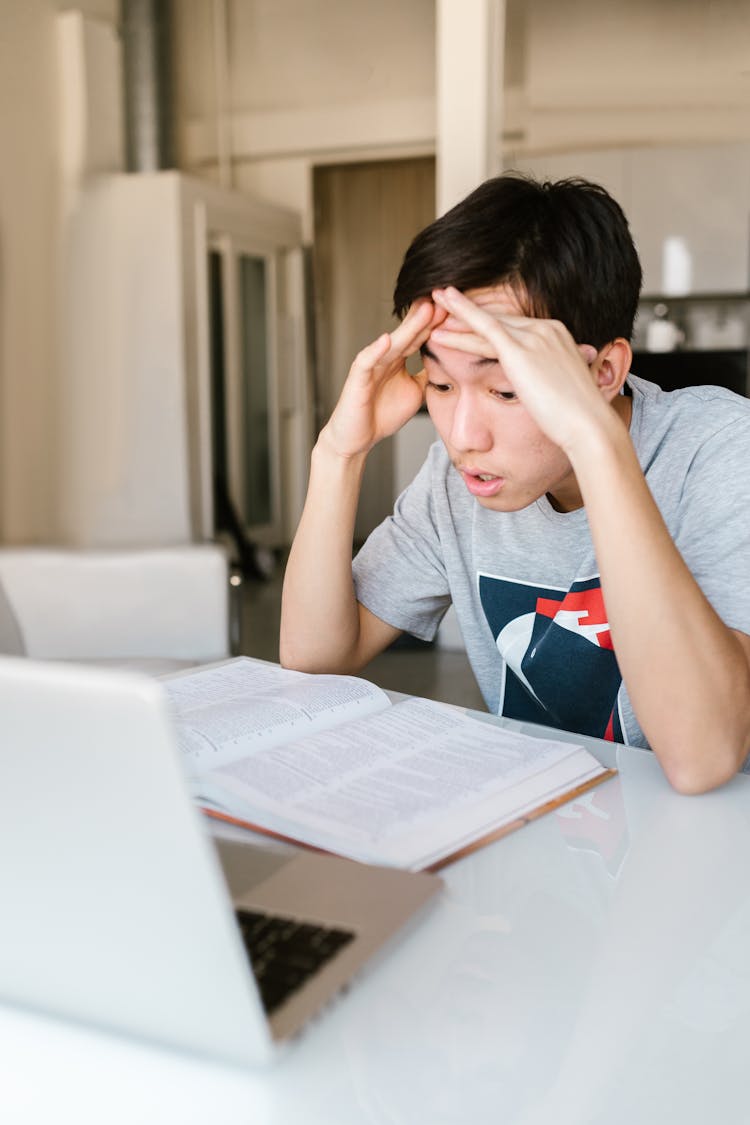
[{"x": 285, "y": 953}]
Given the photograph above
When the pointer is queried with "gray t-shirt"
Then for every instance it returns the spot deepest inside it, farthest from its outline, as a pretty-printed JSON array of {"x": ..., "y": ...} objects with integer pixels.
[{"x": 526, "y": 584}]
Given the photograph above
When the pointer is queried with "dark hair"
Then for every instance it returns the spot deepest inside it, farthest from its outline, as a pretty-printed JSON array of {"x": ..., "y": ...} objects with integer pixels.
[{"x": 564, "y": 247}]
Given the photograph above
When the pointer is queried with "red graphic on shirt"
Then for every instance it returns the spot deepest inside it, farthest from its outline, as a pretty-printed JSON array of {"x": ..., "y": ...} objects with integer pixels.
[{"x": 582, "y": 612}]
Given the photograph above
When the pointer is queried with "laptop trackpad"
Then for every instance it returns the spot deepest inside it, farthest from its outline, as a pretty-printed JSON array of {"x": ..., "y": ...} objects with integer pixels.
[{"x": 246, "y": 865}]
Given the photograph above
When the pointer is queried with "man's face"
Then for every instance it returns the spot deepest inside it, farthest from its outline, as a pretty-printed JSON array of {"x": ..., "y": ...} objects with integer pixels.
[{"x": 505, "y": 460}]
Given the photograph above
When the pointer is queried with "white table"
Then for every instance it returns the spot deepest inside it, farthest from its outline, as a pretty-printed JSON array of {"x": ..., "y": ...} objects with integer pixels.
[{"x": 592, "y": 967}]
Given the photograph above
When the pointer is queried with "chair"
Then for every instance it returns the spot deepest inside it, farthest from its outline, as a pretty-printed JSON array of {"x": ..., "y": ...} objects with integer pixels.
[{"x": 153, "y": 609}]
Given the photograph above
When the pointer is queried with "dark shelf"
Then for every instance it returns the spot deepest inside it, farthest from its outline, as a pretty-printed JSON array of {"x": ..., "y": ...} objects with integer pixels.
[
  {"x": 692, "y": 298},
  {"x": 670, "y": 370}
]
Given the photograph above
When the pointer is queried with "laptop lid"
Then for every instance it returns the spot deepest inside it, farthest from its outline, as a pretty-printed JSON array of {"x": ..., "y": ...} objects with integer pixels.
[
  {"x": 115, "y": 911},
  {"x": 115, "y": 906}
]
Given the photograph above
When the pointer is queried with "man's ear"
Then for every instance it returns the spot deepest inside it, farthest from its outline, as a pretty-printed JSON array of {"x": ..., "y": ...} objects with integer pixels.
[{"x": 612, "y": 366}]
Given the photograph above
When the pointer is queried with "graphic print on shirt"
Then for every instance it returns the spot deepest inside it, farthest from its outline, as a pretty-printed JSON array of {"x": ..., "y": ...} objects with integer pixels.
[{"x": 560, "y": 666}]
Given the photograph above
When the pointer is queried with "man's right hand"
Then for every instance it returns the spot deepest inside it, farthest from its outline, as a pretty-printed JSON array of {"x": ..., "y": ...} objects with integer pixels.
[
  {"x": 323, "y": 627},
  {"x": 379, "y": 395}
]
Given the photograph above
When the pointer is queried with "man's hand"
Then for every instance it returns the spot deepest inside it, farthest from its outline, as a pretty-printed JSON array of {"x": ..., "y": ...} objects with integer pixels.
[
  {"x": 379, "y": 395},
  {"x": 549, "y": 372}
]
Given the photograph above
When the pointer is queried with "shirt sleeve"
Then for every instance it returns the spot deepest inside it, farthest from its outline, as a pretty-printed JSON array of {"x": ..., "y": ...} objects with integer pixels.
[
  {"x": 399, "y": 574},
  {"x": 713, "y": 535}
]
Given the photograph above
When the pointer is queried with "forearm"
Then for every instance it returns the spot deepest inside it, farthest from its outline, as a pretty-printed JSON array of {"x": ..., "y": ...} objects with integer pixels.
[
  {"x": 685, "y": 670},
  {"x": 319, "y": 612},
  {"x": 323, "y": 628}
]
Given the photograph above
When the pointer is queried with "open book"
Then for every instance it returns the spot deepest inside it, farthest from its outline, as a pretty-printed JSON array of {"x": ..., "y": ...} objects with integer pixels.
[{"x": 332, "y": 763}]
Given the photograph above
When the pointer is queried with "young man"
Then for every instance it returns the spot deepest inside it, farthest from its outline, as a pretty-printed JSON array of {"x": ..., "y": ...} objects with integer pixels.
[{"x": 592, "y": 531}]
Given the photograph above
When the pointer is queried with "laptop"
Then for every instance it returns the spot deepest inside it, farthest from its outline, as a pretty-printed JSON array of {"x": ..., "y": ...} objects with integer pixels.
[{"x": 119, "y": 908}]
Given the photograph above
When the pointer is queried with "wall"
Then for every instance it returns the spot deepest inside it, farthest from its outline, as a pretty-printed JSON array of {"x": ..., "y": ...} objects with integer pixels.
[
  {"x": 296, "y": 83},
  {"x": 28, "y": 248},
  {"x": 621, "y": 72},
  {"x": 292, "y": 89},
  {"x": 31, "y": 196}
]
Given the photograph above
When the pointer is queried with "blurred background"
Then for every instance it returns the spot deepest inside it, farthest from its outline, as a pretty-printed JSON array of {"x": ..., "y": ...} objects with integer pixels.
[{"x": 204, "y": 203}]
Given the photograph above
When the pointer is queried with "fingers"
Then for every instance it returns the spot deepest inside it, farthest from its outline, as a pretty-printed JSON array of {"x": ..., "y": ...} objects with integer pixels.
[
  {"x": 413, "y": 331},
  {"x": 459, "y": 306},
  {"x": 415, "y": 327},
  {"x": 421, "y": 319},
  {"x": 419, "y": 314},
  {"x": 373, "y": 353},
  {"x": 440, "y": 317},
  {"x": 406, "y": 338},
  {"x": 453, "y": 324},
  {"x": 493, "y": 325},
  {"x": 464, "y": 341},
  {"x": 391, "y": 349}
]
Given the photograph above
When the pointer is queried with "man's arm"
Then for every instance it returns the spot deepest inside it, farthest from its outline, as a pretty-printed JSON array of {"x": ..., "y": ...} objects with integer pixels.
[
  {"x": 687, "y": 673},
  {"x": 323, "y": 627}
]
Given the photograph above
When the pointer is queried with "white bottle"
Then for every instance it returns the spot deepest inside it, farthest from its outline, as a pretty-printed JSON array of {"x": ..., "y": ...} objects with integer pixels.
[{"x": 662, "y": 334}]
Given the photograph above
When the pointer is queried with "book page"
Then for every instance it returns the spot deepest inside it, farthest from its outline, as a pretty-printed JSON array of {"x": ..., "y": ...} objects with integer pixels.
[
  {"x": 229, "y": 711},
  {"x": 410, "y": 782}
]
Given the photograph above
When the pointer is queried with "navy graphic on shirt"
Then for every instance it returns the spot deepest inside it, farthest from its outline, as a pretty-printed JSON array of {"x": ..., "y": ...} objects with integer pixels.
[{"x": 560, "y": 666}]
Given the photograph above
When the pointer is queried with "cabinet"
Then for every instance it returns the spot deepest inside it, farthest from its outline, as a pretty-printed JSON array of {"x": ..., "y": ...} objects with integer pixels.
[
  {"x": 688, "y": 208},
  {"x": 184, "y": 368},
  {"x": 690, "y": 213}
]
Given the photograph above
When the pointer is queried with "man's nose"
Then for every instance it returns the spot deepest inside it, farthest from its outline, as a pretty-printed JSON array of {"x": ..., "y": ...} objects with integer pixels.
[{"x": 469, "y": 430}]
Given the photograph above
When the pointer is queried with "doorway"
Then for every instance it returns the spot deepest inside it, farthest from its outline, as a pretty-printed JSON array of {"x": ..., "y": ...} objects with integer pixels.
[{"x": 365, "y": 217}]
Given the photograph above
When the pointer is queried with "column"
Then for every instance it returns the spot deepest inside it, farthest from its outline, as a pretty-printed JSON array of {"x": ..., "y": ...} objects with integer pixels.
[{"x": 469, "y": 88}]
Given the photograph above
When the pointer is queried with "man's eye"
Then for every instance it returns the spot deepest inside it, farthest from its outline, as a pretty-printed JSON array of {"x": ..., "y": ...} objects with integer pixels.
[
  {"x": 443, "y": 388},
  {"x": 506, "y": 396}
]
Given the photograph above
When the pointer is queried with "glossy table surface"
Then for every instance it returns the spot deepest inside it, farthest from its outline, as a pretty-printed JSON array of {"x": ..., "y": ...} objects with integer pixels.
[{"x": 592, "y": 967}]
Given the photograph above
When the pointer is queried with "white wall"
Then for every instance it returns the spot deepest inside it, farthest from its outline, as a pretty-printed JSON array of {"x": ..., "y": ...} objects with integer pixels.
[
  {"x": 312, "y": 82},
  {"x": 30, "y": 274},
  {"x": 28, "y": 263},
  {"x": 302, "y": 82},
  {"x": 614, "y": 72}
]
